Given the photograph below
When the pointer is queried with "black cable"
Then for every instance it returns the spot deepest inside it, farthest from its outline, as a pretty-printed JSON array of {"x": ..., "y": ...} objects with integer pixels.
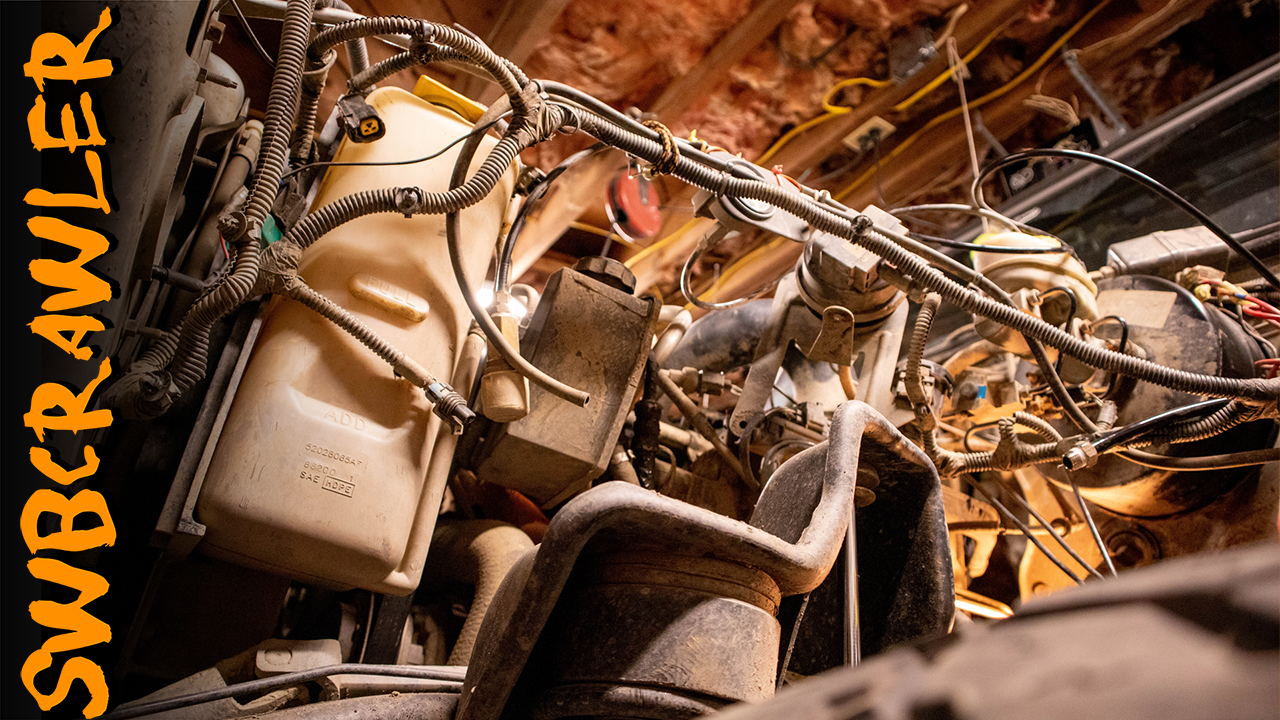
[
  {"x": 622, "y": 121},
  {"x": 451, "y": 676},
  {"x": 1026, "y": 529},
  {"x": 1093, "y": 528},
  {"x": 1075, "y": 301},
  {"x": 1062, "y": 541},
  {"x": 1124, "y": 329},
  {"x": 1134, "y": 430},
  {"x": 505, "y": 259},
  {"x": 1201, "y": 463},
  {"x": 970, "y": 431},
  {"x": 989, "y": 214},
  {"x": 372, "y": 163},
  {"x": 244, "y": 22},
  {"x": 1123, "y": 347},
  {"x": 515, "y": 142},
  {"x": 909, "y": 255},
  {"x": 1141, "y": 178},
  {"x": 975, "y": 247}
]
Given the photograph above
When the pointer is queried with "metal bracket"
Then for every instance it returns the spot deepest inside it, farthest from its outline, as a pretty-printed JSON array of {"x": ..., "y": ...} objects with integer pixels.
[{"x": 835, "y": 340}]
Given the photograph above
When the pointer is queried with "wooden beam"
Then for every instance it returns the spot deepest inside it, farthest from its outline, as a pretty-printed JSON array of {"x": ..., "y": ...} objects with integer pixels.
[
  {"x": 729, "y": 51},
  {"x": 584, "y": 189},
  {"x": 812, "y": 147},
  {"x": 943, "y": 150},
  {"x": 519, "y": 29}
]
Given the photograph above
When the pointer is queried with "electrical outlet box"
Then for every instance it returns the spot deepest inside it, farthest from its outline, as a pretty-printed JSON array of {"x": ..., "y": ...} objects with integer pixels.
[{"x": 854, "y": 139}]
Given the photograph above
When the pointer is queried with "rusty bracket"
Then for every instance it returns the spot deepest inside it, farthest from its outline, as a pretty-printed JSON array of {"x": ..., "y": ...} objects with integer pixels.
[{"x": 835, "y": 339}]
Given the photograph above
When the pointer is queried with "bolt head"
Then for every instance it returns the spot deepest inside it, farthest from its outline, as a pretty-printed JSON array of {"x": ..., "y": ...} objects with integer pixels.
[{"x": 608, "y": 271}]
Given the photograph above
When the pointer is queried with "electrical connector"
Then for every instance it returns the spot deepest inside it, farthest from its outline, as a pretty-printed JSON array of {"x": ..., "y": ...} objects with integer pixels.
[
  {"x": 449, "y": 406},
  {"x": 360, "y": 120}
]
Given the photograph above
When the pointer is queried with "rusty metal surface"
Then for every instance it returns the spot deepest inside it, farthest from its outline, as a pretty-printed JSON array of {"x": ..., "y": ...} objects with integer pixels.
[
  {"x": 1182, "y": 333},
  {"x": 906, "y": 589},
  {"x": 692, "y": 626},
  {"x": 622, "y": 513},
  {"x": 404, "y": 706},
  {"x": 1195, "y": 638}
]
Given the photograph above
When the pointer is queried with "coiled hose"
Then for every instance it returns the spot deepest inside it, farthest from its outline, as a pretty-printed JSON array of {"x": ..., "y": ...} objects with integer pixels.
[
  {"x": 381, "y": 71},
  {"x": 1010, "y": 454},
  {"x": 499, "y": 69},
  {"x": 336, "y": 314},
  {"x": 405, "y": 200},
  {"x": 915, "y": 349},
  {"x": 314, "y": 78},
  {"x": 887, "y": 245},
  {"x": 426, "y": 54},
  {"x": 339, "y": 212},
  {"x": 192, "y": 350},
  {"x": 1231, "y": 415}
]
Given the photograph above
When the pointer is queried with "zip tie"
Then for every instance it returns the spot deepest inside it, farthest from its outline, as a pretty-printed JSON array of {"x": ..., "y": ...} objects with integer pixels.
[
  {"x": 666, "y": 164},
  {"x": 723, "y": 186}
]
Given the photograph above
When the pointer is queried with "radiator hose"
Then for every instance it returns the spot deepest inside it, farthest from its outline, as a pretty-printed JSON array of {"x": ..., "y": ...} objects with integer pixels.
[{"x": 479, "y": 552}]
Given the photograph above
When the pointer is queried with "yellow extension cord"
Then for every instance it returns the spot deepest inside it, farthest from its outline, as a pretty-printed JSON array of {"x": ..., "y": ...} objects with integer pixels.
[{"x": 998, "y": 92}]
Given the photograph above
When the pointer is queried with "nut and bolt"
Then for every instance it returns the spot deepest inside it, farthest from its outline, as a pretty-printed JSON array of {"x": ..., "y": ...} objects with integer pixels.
[
  {"x": 608, "y": 271},
  {"x": 1079, "y": 457}
]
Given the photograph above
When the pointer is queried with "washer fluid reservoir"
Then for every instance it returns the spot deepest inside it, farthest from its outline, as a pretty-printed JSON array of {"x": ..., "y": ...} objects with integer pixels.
[{"x": 329, "y": 468}]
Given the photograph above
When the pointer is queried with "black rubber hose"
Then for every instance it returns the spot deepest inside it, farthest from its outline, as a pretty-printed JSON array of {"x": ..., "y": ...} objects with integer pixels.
[
  {"x": 647, "y": 427},
  {"x": 1233, "y": 414},
  {"x": 1204, "y": 462},
  {"x": 1217, "y": 422},
  {"x": 505, "y": 259},
  {"x": 452, "y": 235},
  {"x": 887, "y": 246}
]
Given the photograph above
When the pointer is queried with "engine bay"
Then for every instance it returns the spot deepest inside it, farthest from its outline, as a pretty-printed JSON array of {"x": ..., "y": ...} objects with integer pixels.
[{"x": 365, "y": 460}]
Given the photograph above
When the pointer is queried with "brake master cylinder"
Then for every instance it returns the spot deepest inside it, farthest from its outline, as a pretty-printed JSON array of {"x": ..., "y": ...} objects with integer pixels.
[
  {"x": 327, "y": 468},
  {"x": 1034, "y": 273}
]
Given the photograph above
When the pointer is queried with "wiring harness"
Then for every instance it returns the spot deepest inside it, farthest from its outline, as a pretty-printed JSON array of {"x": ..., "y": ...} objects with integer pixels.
[{"x": 538, "y": 110}]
